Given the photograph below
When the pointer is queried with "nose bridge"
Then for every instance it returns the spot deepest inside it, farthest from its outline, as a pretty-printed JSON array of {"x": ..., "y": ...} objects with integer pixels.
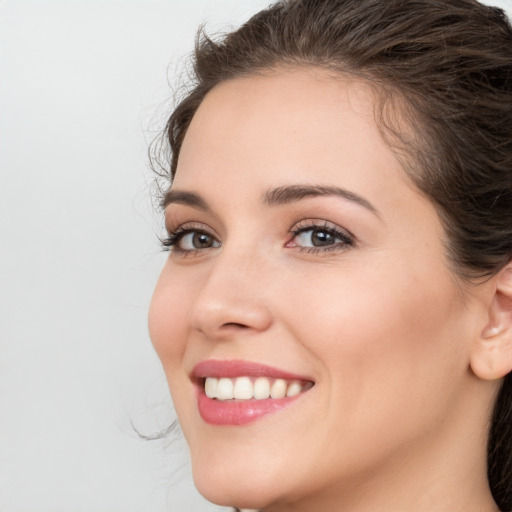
[{"x": 233, "y": 294}]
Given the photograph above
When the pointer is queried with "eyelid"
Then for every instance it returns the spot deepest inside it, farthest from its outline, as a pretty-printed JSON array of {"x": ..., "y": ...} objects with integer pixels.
[
  {"x": 348, "y": 239},
  {"x": 320, "y": 224},
  {"x": 175, "y": 227}
]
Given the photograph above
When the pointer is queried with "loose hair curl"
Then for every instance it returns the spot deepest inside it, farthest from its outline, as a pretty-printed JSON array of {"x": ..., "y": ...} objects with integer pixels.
[{"x": 446, "y": 66}]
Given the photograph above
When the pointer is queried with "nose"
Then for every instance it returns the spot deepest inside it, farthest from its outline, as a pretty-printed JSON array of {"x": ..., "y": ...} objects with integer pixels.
[{"x": 232, "y": 298}]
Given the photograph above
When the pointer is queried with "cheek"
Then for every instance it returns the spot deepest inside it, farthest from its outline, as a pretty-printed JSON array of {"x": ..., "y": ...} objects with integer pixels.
[
  {"x": 392, "y": 309},
  {"x": 166, "y": 320},
  {"x": 168, "y": 329},
  {"x": 392, "y": 341}
]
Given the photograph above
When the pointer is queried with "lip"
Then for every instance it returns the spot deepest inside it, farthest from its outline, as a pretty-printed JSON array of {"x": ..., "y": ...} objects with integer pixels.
[
  {"x": 239, "y": 412},
  {"x": 238, "y": 368}
]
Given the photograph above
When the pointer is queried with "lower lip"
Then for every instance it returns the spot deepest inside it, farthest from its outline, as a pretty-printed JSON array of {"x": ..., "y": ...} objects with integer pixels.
[{"x": 238, "y": 412}]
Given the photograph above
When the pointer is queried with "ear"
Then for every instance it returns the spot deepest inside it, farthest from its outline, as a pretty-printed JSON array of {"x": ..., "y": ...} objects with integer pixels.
[{"x": 491, "y": 355}]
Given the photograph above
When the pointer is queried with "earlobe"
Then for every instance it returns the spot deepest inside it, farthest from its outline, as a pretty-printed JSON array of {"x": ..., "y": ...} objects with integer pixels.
[{"x": 491, "y": 355}]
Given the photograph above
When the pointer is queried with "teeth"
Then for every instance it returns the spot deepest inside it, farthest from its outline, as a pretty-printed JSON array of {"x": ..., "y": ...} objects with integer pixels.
[
  {"x": 225, "y": 389},
  {"x": 261, "y": 388},
  {"x": 278, "y": 389},
  {"x": 210, "y": 387},
  {"x": 245, "y": 388},
  {"x": 294, "y": 388}
]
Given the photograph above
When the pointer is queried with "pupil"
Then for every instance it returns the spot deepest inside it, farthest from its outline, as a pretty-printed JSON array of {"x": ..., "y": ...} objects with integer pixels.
[
  {"x": 201, "y": 240},
  {"x": 322, "y": 238}
]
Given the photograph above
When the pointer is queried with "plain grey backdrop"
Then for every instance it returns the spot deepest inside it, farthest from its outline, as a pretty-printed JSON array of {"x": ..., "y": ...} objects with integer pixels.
[{"x": 83, "y": 90}]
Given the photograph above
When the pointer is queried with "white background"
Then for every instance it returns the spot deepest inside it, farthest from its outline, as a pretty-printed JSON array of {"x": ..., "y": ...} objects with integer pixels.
[{"x": 83, "y": 89}]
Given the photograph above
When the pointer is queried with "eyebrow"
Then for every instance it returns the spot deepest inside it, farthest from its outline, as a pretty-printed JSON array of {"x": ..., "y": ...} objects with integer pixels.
[
  {"x": 293, "y": 193},
  {"x": 274, "y": 197},
  {"x": 185, "y": 198}
]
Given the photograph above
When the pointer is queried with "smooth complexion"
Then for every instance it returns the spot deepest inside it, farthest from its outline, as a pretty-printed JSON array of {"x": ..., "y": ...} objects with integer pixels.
[{"x": 348, "y": 286}]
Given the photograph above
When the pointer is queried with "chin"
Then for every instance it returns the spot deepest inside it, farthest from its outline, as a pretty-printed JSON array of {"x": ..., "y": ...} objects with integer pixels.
[
  {"x": 240, "y": 485},
  {"x": 241, "y": 493}
]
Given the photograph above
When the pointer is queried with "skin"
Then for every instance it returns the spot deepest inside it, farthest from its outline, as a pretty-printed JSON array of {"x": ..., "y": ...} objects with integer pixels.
[{"x": 396, "y": 420}]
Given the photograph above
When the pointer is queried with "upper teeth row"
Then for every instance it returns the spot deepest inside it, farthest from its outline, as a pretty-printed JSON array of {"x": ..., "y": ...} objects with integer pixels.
[{"x": 243, "y": 388}]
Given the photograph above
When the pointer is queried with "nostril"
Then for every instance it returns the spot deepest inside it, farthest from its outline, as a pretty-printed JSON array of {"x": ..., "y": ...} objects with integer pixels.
[{"x": 236, "y": 325}]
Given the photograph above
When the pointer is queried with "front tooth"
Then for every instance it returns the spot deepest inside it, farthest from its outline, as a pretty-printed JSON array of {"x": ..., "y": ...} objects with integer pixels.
[
  {"x": 261, "y": 388},
  {"x": 278, "y": 389},
  {"x": 210, "y": 387},
  {"x": 294, "y": 388},
  {"x": 225, "y": 389},
  {"x": 243, "y": 389}
]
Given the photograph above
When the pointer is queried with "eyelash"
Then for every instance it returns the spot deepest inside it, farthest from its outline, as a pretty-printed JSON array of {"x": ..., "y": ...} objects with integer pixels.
[
  {"x": 171, "y": 242},
  {"x": 347, "y": 239}
]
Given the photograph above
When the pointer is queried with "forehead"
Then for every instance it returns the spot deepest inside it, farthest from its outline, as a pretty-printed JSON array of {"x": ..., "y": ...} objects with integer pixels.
[
  {"x": 284, "y": 117},
  {"x": 289, "y": 101}
]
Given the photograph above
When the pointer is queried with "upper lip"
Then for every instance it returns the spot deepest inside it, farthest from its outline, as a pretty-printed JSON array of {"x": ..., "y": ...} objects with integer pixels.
[{"x": 237, "y": 368}]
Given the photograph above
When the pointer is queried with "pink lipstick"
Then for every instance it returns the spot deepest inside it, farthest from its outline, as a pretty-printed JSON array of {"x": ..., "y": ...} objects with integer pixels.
[{"x": 235, "y": 392}]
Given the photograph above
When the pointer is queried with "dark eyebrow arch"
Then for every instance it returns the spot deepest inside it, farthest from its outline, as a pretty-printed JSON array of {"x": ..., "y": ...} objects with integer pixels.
[
  {"x": 292, "y": 193},
  {"x": 185, "y": 198}
]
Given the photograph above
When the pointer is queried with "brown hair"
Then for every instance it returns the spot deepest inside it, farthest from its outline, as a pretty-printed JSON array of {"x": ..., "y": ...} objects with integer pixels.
[{"x": 449, "y": 63}]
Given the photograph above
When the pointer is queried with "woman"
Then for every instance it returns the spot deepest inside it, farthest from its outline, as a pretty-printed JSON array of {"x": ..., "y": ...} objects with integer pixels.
[{"x": 335, "y": 316}]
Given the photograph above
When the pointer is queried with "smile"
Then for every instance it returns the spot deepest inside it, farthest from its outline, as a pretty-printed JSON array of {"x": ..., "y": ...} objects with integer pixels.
[
  {"x": 247, "y": 388},
  {"x": 239, "y": 392}
]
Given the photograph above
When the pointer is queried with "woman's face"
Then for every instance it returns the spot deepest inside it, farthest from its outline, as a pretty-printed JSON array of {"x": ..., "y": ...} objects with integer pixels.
[{"x": 302, "y": 254}]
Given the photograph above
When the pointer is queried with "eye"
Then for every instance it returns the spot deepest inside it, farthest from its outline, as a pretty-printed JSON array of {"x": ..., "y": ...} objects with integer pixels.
[
  {"x": 194, "y": 240},
  {"x": 316, "y": 236},
  {"x": 189, "y": 240}
]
